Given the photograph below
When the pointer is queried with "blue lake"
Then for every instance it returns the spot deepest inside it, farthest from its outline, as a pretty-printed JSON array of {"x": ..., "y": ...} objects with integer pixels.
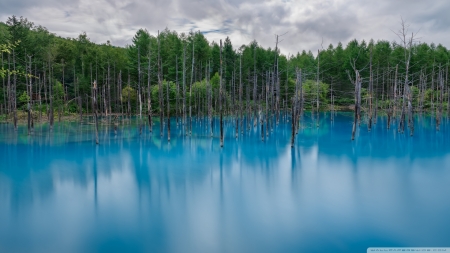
[{"x": 59, "y": 192}]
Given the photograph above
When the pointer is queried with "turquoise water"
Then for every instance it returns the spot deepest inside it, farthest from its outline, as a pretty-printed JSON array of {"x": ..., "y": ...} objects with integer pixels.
[{"x": 59, "y": 192}]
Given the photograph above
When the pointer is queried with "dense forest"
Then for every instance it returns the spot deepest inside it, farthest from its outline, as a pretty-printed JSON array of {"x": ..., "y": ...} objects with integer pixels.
[{"x": 172, "y": 74}]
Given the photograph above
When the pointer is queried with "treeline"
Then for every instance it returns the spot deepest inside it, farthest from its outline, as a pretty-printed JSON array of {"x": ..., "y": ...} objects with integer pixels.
[{"x": 171, "y": 71}]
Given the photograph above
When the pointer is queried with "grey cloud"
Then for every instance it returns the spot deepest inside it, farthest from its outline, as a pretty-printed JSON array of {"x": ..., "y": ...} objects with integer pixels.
[{"x": 307, "y": 22}]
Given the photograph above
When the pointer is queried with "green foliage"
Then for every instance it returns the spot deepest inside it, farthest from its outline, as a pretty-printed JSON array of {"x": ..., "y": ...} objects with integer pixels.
[
  {"x": 128, "y": 93},
  {"x": 172, "y": 89},
  {"x": 23, "y": 100},
  {"x": 58, "y": 94},
  {"x": 310, "y": 90},
  {"x": 77, "y": 62}
]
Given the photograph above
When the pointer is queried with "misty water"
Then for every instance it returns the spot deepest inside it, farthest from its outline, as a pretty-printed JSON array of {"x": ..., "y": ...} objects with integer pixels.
[{"x": 59, "y": 192}]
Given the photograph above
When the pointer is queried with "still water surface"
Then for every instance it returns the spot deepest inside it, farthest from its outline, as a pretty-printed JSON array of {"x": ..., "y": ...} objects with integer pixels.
[{"x": 59, "y": 192}]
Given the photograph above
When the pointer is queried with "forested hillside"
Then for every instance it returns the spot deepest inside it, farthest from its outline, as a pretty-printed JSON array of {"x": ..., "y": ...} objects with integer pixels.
[{"x": 46, "y": 70}]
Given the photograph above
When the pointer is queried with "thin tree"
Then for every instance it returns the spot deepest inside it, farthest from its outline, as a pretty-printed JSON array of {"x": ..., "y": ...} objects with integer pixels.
[{"x": 220, "y": 98}]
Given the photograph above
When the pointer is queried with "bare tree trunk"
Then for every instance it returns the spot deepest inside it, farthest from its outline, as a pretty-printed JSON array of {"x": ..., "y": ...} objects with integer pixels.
[
  {"x": 40, "y": 98},
  {"x": 236, "y": 106},
  {"x": 50, "y": 85},
  {"x": 128, "y": 96},
  {"x": 240, "y": 95},
  {"x": 293, "y": 121},
  {"x": 370, "y": 93},
  {"x": 267, "y": 117},
  {"x": 109, "y": 91},
  {"x": 248, "y": 102},
  {"x": 190, "y": 91},
  {"x": 139, "y": 90},
  {"x": 300, "y": 103},
  {"x": 210, "y": 105},
  {"x": 441, "y": 101},
  {"x": 168, "y": 113},
  {"x": 395, "y": 92},
  {"x": 357, "y": 101},
  {"x": 4, "y": 90},
  {"x": 220, "y": 98},
  {"x": 410, "y": 110},
  {"x": 184, "y": 90},
  {"x": 149, "y": 94},
  {"x": 294, "y": 110},
  {"x": 178, "y": 90},
  {"x": 318, "y": 87},
  {"x": 9, "y": 89},
  {"x": 120, "y": 93},
  {"x": 448, "y": 91},
  {"x": 161, "y": 117},
  {"x": 255, "y": 84},
  {"x": 94, "y": 108},
  {"x": 14, "y": 92},
  {"x": 30, "y": 94}
]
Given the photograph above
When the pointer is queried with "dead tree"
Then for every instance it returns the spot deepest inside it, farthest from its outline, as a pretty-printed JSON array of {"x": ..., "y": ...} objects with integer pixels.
[
  {"x": 4, "y": 90},
  {"x": 357, "y": 83},
  {"x": 128, "y": 98},
  {"x": 30, "y": 97},
  {"x": 409, "y": 95},
  {"x": 161, "y": 117},
  {"x": 14, "y": 93},
  {"x": 370, "y": 93},
  {"x": 50, "y": 85},
  {"x": 255, "y": 81},
  {"x": 168, "y": 112},
  {"x": 94, "y": 108},
  {"x": 241, "y": 117},
  {"x": 149, "y": 94},
  {"x": 448, "y": 91},
  {"x": 210, "y": 103},
  {"x": 248, "y": 123},
  {"x": 294, "y": 112},
  {"x": 407, "y": 47},
  {"x": 184, "y": 90},
  {"x": 395, "y": 92},
  {"x": 300, "y": 101},
  {"x": 178, "y": 89},
  {"x": 190, "y": 91},
  {"x": 441, "y": 97},
  {"x": 220, "y": 98},
  {"x": 261, "y": 112},
  {"x": 139, "y": 90},
  {"x": 268, "y": 103}
]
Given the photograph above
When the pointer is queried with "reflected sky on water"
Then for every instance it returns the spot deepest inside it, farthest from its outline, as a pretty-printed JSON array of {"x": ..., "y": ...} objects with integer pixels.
[{"x": 59, "y": 192}]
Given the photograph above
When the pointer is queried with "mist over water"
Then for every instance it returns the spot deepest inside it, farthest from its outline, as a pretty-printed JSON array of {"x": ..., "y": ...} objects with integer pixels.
[{"x": 59, "y": 192}]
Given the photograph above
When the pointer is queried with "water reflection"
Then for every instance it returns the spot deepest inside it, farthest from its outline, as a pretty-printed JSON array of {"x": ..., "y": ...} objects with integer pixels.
[{"x": 140, "y": 193}]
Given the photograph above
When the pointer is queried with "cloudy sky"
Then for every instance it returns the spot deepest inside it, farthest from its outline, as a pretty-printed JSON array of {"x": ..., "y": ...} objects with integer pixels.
[{"x": 307, "y": 22}]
